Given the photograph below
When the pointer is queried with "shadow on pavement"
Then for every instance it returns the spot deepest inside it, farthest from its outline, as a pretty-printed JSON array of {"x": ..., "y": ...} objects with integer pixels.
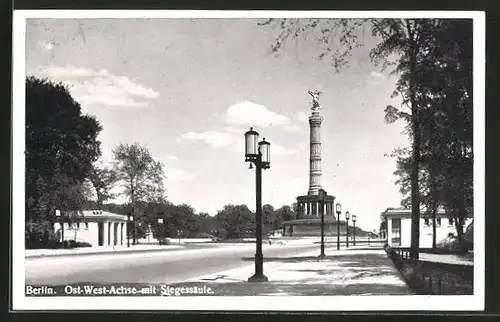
[
  {"x": 352, "y": 259},
  {"x": 343, "y": 274}
]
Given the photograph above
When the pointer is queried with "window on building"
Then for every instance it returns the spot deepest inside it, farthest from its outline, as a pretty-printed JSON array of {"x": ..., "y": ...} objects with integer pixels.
[
  {"x": 450, "y": 221},
  {"x": 86, "y": 226},
  {"x": 77, "y": 225},
  {"x": 438, "y": 221},
  {"x": 426, "y": 221}
]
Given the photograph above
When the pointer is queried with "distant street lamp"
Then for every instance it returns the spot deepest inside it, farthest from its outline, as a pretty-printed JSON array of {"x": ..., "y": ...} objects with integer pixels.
[
  {"x": 338, "y": 210},
  {"x": 354, "y": 228},
  {"x": 347, "y": 228},
  {"x": 130, "y": 219},
  {"x": 322, "y": 196},
  {"x": 257, "y": 153},
  {"x": 179, "y": 232}
]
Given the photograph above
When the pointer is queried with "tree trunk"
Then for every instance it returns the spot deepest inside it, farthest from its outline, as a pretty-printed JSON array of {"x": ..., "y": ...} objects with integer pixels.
[
  {"x": 415, "y": 191},
  {"x": 434, "y": 192},
  {"x": 460, "y": 221}
]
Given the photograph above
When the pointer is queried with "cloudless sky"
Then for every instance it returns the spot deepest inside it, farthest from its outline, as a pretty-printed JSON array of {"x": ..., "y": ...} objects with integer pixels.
[{"x": 188, "y": 89}]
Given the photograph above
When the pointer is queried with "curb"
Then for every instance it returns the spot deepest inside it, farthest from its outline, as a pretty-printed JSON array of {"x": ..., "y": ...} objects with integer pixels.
[
  {"x": 103, "y": 252},
  {"x": 182, "y": 248}
]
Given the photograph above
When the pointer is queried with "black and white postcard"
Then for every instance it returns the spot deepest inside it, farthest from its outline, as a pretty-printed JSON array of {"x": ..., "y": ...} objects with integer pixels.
[{"x": 248, "y": 160}]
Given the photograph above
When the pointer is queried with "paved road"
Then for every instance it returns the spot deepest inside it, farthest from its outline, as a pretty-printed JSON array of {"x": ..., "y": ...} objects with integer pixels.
[{"x": 148, "y": 267}]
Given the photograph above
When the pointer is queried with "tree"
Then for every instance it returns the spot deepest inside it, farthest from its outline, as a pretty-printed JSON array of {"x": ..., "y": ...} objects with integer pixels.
[
  {"x": 383, "y": 224},
  {"x": 445, "y": 97},
  {"x": 103, "y": 180},
  {"x": 206, "y": 224},
  {"x": 183, "y": 220},
  {"x": 282, "y": 214},
  {"x": 140, "y": 174},
  {"x": 234, "y": 220},
  {"x": 61, "y": 145},
  {"x": 268, "y": 218}
]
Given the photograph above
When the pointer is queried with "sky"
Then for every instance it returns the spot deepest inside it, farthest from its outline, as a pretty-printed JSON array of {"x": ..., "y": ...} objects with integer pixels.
[{"x": 188, "y": 90}]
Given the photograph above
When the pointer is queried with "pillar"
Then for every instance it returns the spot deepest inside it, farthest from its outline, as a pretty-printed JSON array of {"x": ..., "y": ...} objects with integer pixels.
[
  {"x": 315, "y": 170},
  {"x": 115, "y": 233},
  {"x": 108, "y": 237},
  {"x": 121, "y": 234},
  {"x": 125, "y": 232},
  {"x": 105, "y": 233}
]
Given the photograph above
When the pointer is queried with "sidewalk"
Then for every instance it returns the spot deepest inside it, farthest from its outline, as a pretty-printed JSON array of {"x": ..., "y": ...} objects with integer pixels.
[
  {"x": 99, "y": 250},
  {"x": 447, "y": 259},
  {"x": 359, "y": 271}
]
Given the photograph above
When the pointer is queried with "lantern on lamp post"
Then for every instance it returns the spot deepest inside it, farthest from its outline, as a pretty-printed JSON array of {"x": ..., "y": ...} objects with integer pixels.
[{"x": 258, "y": 154}]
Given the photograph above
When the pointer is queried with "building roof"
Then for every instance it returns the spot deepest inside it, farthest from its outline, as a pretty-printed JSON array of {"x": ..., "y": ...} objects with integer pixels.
[
  {"x": 406, "y": 213},
  {"x": 97, "y": 215}
]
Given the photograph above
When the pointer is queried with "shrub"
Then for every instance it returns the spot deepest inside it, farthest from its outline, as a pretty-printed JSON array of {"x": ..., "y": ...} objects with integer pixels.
[{"x": 73, "y": 244}]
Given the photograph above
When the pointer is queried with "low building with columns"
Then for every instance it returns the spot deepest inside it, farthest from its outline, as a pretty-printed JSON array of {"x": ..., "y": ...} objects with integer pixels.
[
  {"x": 96, "y": 227},
  {"x": 398, "y": 231}
]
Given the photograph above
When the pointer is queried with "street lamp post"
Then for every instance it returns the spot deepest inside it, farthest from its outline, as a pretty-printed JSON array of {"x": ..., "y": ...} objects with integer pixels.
[
  {"x": 258, "y": 153},
  {"x": 354, "y": 229},
  {"x": 322, "y": 196},
  {"x": 347, "y": 229},
  {"x": 338, "y": 210},
  {"x": 130, "y": 218}
]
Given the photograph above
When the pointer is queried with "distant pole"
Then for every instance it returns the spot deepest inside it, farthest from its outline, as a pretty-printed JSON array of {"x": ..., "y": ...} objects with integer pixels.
[
  {"x": 338, "y": 233},
  {"x": 354, "y": 233},
  {"x": 322, "y": 194},
  {"x": 354, "y": 219},
  {"x": 347, "y": 234},
  {"x": 347, "y": 228},
  {"x": 338, "y": 210}
]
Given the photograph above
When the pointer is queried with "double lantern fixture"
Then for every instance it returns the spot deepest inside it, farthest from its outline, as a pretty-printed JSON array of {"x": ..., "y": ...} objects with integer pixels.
[{"x": 257, "y": 152}]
